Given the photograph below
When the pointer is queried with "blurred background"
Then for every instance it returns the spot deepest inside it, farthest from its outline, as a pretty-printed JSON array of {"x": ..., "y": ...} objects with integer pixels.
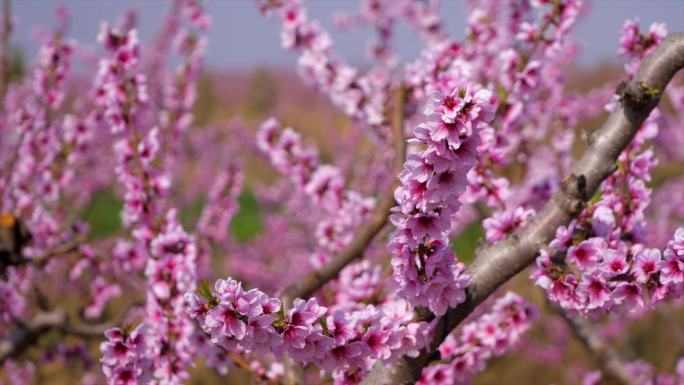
[
  {"x": 241, "y": 39},
  {"x": 250, "y": 77}
]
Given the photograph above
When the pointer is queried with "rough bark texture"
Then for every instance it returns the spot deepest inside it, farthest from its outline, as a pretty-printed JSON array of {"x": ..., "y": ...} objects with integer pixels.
[{"x": 494, "y": 265}]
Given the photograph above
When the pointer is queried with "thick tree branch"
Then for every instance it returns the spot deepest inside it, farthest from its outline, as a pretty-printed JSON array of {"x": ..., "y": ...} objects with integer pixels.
[
  {"x": 306, "y": 286},
  {"x": 494, "y": 265}
]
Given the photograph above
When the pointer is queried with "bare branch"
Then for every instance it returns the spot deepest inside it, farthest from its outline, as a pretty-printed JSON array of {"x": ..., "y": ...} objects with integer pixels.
[
  {"x": 606, "y": 357},
  {"x": 494, "y": 265},
  {"x": 67, "y": 247},
  {"x": 306, "y": 286},
  {"x": 27, "y": 333}
]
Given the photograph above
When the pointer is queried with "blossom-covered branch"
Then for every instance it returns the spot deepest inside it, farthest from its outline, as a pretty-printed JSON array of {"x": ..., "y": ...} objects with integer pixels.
[
  {"x": 494, "y": 265},
  {"x": 305, "y": 287}
]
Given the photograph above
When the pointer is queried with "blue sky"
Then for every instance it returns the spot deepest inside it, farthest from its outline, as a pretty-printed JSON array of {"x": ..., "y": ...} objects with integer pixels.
[{"x": 242, "y": 38}]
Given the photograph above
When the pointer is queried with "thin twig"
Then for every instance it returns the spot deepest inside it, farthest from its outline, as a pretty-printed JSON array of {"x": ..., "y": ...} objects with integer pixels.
[
  {"x": 64, "y": 248},
  {"x": 608, "y": 360},
  {"x": 306, "y": 286},
  {"x": 28, "y": 333}
]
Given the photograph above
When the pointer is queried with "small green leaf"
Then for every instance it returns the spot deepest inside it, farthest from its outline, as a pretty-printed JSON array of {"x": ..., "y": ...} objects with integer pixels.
[
  {"x": 597, "y": 197},
  {"x": 652, "y": 91},
  {"x": 204, "y": 291},
  {"x": 501, "y": 92}
]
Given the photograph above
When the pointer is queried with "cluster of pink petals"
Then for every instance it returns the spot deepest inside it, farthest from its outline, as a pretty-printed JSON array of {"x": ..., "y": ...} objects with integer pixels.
[
  {"x": 643, "y": 373},
  {"x": 180, "y": 87},
  {"x": 17, "y": 373},
  {"x": 307, "y": 332},
  {"x": 124, "y": 361},
  {"x": 169, "y": 254},
  {"x": 221, "y": 204},
  {"x": 503, "y": 223},
  {"x": 162, "y": 347},
  {"x": 607, "y": 265},
  {"x": 600, "y": 261},
  {"x": 489, "y": 336},
  {"x": 431, "y": 184},
  {"x": 362, "y": 97},
  {"x": 383, "y": 15},
  {"x": 101, "y": 292},
  {"x": 13, "y": 289},
  {"x": 121, "y": 94},
  {"x": 635, "y": 44},
  {"x": 48, "y": 144},
  {"x": 344, "y": 210}
]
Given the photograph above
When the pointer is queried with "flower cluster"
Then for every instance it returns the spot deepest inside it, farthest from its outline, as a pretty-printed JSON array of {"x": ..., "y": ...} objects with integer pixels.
[
  {"x": 17, "y": 373},
  {"x": 491, "y": 335},
  {"x": 323, "y": 184},
  {"x": 161, "y": 348},
  {"x": 643, "y": 373},
  {"x": 308, "y": 332},
  {"x": 431, "y": 183},
  {"x": 180, "y": 91},
  {"x": 221, "y": 204},
  {"x": 607, "y": 263},
  {"x": 102, "y": 292},
  {"x": 168, "y": 253},
  {"x": 362, "y": 97},
  {"x": 124, "y": 361},
  {"x": 12, "y": 295},
  {"x": 122, "y": 94},
  {"x": 635, "y": 45},
  {"x": 36, "y": 174},
  {"x": 611, "y": 273},
  {"x": 504, "y": 223}
]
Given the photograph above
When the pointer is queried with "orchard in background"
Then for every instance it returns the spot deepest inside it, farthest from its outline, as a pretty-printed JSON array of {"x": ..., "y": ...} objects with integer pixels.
[{"x": 347, "y": 270}]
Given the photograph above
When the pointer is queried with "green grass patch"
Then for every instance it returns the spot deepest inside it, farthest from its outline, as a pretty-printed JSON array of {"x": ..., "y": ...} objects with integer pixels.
[
  {"x": 190, "y": 213},
  {"x": 103, "y": 214},
  {"x": 467, "y": 241},
  {"x": 247, "y": 222}
]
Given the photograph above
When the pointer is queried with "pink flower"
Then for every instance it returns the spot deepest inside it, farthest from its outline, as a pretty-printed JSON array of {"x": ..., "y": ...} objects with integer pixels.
[
  {"x": 504, "y": 223},
  {"x": 427, "y": 226},
  {"x": 614, "y": 262},
  {"x": 301, "y": 319},
  {"x": 646, "y": 263},
  {"x": 603, "y": 221},
  {"x": 563, "y": 238},
  {"x": 672, "y": 271},
  {"x": 629, "y": 294},
  {"x": 586, "y": 255},
  {"x": 596, "y": 291},
  {"x": 341, "y": 328}
]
